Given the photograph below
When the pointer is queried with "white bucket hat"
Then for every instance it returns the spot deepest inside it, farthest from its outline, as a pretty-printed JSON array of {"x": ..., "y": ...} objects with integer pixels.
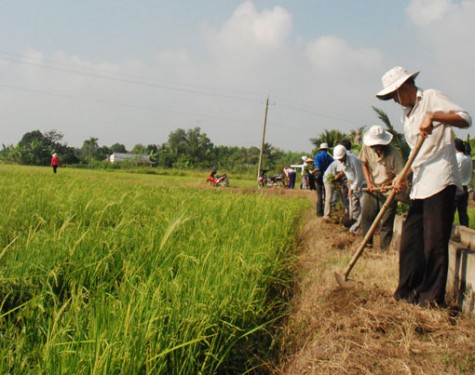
[
  {"x": 392, "y": 80},
  {"x": 377, "y": 135},
  {"x": 323, "y": 146},
  {"x": 339, "y": 152}
]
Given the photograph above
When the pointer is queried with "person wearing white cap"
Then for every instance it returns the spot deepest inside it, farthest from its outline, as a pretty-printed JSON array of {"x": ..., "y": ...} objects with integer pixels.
[
  {"x": 381, "y": 164},
  {"x": 423, "y": 255},
  {"x": 321, "y": 162},
  {"x": 352, "y": 168}
]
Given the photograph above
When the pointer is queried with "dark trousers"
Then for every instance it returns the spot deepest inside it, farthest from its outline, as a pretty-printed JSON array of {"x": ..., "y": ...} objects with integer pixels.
[
  {"x": 55, "y": 167},
  {"x": 311, "y": 181},
  {"x": 424, "y": 251},
  {"x": 292, "y": 176},
  {"x": 461, "y": 203},
  {"x": 344, "y": 194},
  {"x": 320, "y": 195},
  {"x": 372, "y": 204}
]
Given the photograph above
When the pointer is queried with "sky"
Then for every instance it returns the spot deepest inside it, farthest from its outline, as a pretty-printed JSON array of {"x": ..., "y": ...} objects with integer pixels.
[{"x": 131, "y": 72}]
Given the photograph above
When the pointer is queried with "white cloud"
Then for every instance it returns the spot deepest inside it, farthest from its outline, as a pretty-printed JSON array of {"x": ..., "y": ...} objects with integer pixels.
[
  {"x": 447, "y": 43},
  {"x": 171, "y": 58},
  {"x": 443, "y": 35},
  {"x": 317, "y": 84},
  {"x": 247, "y": 29},
  {"x": 333, "y": 54},
  {"x": 424, "y": 12}
]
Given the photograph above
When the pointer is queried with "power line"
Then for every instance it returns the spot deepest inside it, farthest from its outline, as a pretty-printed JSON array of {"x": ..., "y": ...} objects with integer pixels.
[
  {"x": 253, "y": 97},
  {"x": 298, "y": 107},
  {"x": 187, "y": 88},
  {"x": 129, "y": 79},
  {"x": 121, "y": 104}
]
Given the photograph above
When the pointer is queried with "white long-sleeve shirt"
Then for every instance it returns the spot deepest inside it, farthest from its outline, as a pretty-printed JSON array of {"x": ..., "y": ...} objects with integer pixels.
[
  {"x": 435, "y": 167},
  {"x": 353, "y": 170},
  {"x": 333, "y": 168},
  {"x": 465, "y": 165}
]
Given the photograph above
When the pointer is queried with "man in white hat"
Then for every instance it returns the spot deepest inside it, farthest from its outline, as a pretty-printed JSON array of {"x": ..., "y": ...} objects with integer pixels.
[
  {"x": 321, "y": 162},
  {"x": 352, "y": 168},
  {"x": 423, "y": 256},
  {"x": 381, "y": 164}
]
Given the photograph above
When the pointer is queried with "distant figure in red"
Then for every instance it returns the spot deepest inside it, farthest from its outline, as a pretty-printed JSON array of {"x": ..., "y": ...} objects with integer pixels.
[{"x": 55, "y": 162}]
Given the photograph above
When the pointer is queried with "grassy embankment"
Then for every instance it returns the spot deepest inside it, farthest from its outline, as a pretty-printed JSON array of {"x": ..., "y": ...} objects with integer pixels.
[{"x": 363, "y": 329}]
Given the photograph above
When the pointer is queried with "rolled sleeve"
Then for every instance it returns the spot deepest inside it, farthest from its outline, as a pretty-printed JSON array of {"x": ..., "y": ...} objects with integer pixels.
[{"x": 466, "y": 116}]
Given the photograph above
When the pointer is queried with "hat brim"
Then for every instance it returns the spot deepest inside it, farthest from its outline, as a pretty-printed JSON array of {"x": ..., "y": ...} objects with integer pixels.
[
  {"x": 387, "y": 93},
  {"x": 384, "y": 140}
]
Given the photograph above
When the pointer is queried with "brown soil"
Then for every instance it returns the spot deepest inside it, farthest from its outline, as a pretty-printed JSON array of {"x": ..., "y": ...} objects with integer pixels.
[{"x": 363, "y": 330}]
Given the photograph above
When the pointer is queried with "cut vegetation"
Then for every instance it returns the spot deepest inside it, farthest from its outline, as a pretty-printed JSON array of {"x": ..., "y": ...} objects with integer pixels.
[{"x": 363, "y": 330}]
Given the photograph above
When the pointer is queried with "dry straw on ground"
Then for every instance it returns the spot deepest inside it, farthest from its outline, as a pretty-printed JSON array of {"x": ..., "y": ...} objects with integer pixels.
[{"x": 363, "y": 330}]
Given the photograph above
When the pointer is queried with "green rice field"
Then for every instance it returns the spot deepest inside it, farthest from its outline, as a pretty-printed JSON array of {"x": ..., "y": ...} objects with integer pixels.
[{"x": 114, "y": 273}]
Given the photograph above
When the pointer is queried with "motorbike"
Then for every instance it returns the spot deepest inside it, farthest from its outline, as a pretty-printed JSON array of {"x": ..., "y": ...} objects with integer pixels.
[
  {"x": 271, "y": 180},
  {"x": 217, "y": 179}
]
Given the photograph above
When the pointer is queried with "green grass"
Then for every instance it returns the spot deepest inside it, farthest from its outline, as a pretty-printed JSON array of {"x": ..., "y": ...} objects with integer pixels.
[
  {"x": 471, "y": 217},
  {"x": 106, "y": 273},
  {"x": 172, "y": 177}
]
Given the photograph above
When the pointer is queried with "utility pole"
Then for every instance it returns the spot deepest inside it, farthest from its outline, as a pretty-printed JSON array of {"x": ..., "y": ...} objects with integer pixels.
[{"x": 263, "y": 138}]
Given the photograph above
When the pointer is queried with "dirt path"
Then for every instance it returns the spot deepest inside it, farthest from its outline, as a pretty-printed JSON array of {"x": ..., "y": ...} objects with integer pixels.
[{"x": 364, "y": 330}]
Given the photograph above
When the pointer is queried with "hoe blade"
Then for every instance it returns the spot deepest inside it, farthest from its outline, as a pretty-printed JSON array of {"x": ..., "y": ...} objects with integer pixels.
[{"x": 343, "y": 282}]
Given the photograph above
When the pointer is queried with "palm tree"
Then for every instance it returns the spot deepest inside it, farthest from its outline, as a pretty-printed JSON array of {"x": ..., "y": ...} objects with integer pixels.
[
  {"x": 356, "y": 135},
  {"x": 398, "y": 138},
  {"x": 332, "y": 137}
]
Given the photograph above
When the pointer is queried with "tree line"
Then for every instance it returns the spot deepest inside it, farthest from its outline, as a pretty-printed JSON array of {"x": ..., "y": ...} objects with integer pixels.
[{"x": 185, "y": 149}]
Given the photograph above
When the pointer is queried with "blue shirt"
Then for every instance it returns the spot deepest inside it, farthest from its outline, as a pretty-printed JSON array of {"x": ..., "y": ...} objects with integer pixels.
[{"x": 322, "y": 160}]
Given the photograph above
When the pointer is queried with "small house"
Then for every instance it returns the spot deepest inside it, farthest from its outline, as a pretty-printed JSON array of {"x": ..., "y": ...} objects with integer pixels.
[{"x": 118, "y": 157}]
